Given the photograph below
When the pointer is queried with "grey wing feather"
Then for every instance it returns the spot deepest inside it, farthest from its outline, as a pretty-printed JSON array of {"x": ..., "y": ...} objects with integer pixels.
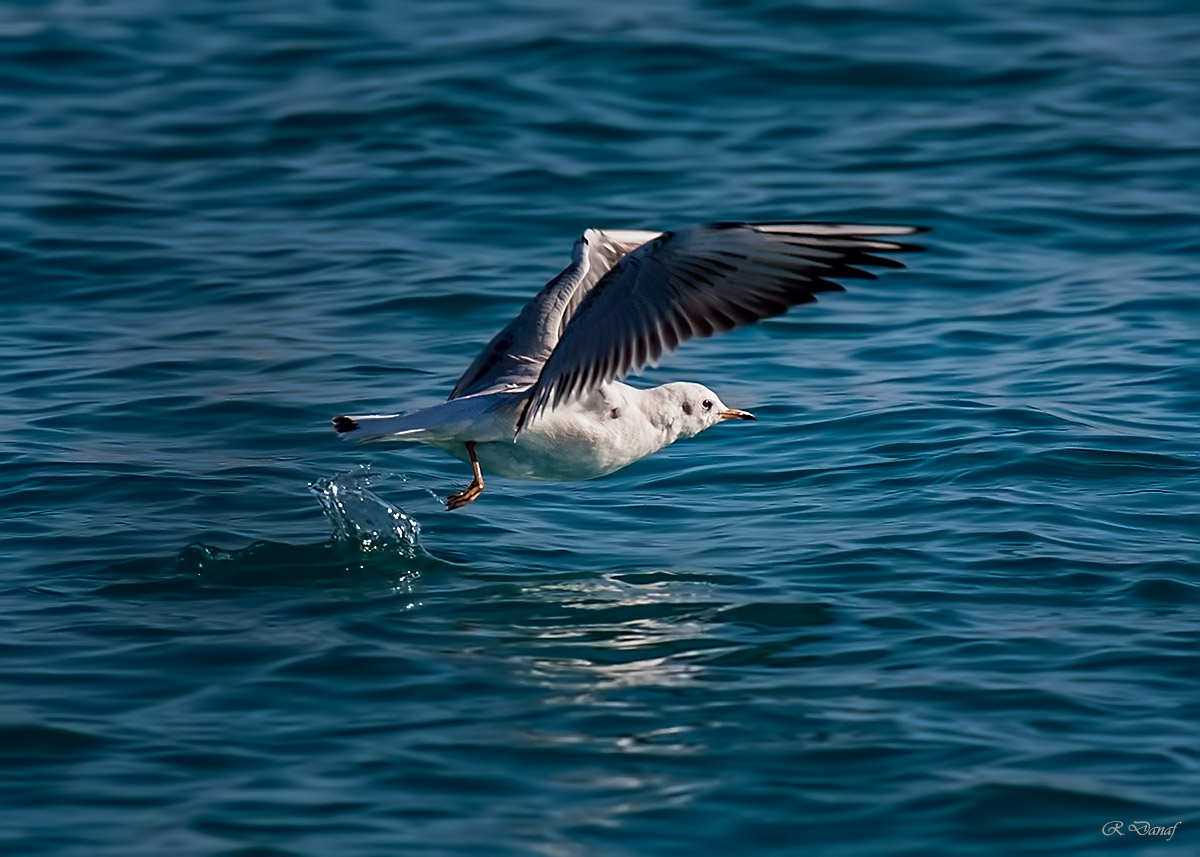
[
  {"x": 513, "y": 360},
  {"x": 697, "y": 281}
]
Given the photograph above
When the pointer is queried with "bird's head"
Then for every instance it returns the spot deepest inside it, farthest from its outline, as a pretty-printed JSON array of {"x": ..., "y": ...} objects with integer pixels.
[{"x": 698, "y": 408}]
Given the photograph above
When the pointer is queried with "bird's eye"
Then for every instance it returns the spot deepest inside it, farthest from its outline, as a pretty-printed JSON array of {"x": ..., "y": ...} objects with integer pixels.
[{"x": 707, "y": 404}]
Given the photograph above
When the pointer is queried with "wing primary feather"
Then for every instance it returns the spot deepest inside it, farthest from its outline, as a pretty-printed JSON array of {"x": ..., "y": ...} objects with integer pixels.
[
  {"x": 853, "y": 273},
  {"x": 700, "y": 324},
  {"x": 636, "y": 356}
]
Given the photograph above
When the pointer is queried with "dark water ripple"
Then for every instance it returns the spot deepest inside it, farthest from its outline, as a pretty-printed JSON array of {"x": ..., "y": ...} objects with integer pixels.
[{"x": 941, "y": 598}]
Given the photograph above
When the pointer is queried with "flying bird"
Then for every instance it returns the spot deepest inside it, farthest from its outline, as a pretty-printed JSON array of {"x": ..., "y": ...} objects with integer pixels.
[{"x": 544, "y": 399}]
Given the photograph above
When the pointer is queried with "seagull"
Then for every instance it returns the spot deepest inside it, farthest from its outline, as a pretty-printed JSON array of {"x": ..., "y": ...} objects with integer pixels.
[{"x": 544, "y": 399}]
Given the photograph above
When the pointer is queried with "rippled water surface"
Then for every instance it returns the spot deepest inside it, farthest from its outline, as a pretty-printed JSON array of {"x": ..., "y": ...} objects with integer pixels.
[{"x": 942, "y": 598}]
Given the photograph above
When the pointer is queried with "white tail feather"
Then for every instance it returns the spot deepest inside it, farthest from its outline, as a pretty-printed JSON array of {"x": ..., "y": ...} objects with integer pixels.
[
  {"x": 379, "y": 427},
  {"x": 468, "y": 418}
]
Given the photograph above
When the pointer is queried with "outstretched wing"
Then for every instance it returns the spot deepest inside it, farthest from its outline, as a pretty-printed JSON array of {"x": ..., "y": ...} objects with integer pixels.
[
  {"x": 513, "y": 360},
  {"x": 698, "y": 281}
]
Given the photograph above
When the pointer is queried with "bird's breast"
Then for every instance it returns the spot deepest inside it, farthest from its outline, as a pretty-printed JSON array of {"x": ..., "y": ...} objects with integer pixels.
[{"x": 581, "y": 440}]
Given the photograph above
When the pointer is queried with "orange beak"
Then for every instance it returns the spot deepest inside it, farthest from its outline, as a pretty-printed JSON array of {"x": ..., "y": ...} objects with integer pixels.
[{"x": 735, "y": 414}]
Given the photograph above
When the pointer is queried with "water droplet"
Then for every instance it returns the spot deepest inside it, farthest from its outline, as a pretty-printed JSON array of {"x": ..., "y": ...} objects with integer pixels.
[{"x": 360, "y": 516}]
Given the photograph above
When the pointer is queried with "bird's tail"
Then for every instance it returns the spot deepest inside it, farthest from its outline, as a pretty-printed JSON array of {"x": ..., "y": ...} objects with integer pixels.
[
  {"x": 378, "y": 427},
  {"x": 457, "y": 419}
]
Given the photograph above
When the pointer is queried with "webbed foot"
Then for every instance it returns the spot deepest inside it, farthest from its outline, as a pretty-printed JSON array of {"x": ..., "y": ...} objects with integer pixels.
[{"x": 461, "y": 498}]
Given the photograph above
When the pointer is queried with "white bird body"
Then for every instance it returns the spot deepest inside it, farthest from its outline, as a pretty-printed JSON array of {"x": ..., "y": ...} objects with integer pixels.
[
  {"x": 544, "y": 400},
  {"x": 603, "y": 431}
]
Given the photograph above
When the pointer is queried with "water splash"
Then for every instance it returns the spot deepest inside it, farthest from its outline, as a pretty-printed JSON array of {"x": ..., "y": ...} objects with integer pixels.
[
  {"x": 369, "y": 535},
  {"x": 361, "y": 517}
]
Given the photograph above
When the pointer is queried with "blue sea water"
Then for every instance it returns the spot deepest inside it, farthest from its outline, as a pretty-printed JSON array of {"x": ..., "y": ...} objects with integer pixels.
[{"x": 942, "y": 598}]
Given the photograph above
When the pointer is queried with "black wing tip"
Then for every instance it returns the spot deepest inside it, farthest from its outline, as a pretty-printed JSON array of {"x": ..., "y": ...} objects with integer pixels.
[
  {"x": 901, "y": 247},
  {"x": 913, "y": 248},
  {"x": 528, "y": 409},
  {"x": 344, "y": 424},
  {"x": 910, "y": 228}
]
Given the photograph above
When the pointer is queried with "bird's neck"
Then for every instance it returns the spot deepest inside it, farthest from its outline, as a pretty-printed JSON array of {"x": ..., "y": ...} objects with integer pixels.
[{"x": 661, "y": 410}]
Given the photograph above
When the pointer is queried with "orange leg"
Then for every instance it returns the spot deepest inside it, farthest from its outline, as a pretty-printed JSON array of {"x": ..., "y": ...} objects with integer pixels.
[{"x": 461, "y": 498}]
